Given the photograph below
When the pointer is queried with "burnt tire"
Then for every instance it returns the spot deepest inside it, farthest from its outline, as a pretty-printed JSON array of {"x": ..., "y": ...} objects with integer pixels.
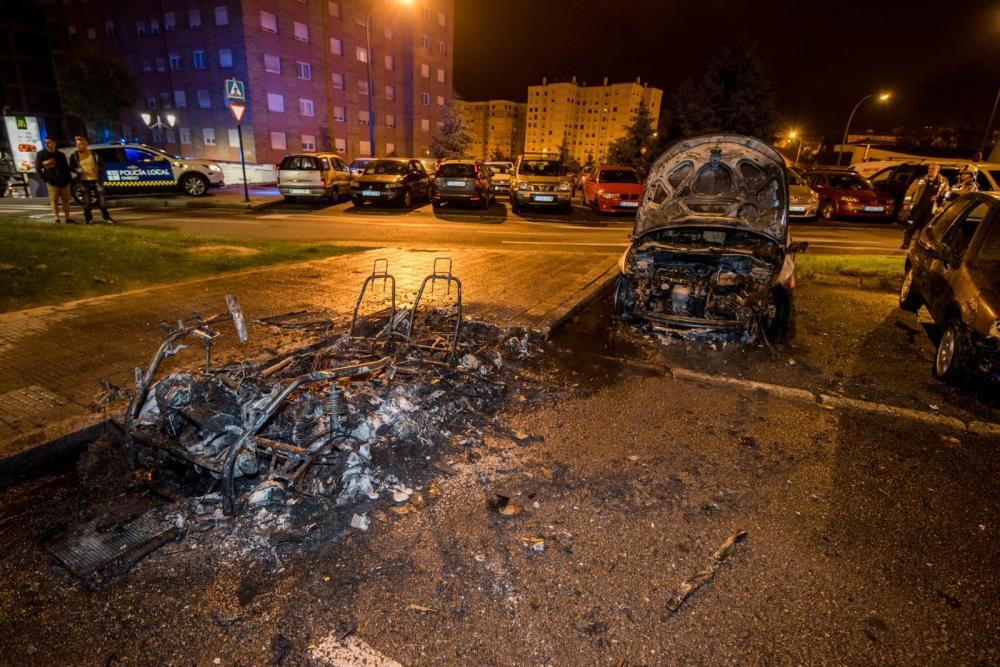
[
  {"x": 908, "y": 298},
  {"x": 828, "y": 210},
  {"x": 623, "y": 299},
  {"x": 777, "y": 327},
  {"x": 950, "y": 359},
  {"x": 194, "y": 185}
]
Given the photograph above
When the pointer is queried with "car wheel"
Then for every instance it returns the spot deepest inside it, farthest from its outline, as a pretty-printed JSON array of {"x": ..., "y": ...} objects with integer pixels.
[
  {"x": 622, "y": 303},
  {"x": 334, "y": 195},
  {"x": 908, "y": 297},
  {"x": 358, "y": 202},
  {"x": 194, "y": 185},
  {"x": 828, "y": 210},
  {"x": 407, "y": 199},
  {"x": 436, "y": 204},
  {"x": 949, "y": 361},
  {"x": 485, "y": 204},
  {"x": 514, "y": 206}
]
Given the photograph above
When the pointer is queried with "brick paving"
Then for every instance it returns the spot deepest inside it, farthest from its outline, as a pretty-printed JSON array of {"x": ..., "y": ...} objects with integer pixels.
[{"x": 52, "y": 358}]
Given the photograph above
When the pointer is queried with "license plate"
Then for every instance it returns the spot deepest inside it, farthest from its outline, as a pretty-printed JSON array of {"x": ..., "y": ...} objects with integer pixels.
[
  {"x": 797, "y": 209},
  {"x": 543, "y": 198},
  {"x": 874, "y": 209},
  {"x": 299, "y": 191},
  {"x": 455, "y": 184},
  {"x": 371, "y": 193},
  {"x": 629, "y": 204}
]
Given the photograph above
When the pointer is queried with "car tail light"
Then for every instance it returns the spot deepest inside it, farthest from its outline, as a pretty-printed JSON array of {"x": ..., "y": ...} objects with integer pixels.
[
  {"x": 322, "y": 182},
  {"x": 476, "y": 168}
]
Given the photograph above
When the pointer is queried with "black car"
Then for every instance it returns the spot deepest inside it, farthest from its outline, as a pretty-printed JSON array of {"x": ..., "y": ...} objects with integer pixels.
[
  {"x": 953, "y": 268},
  {"x": 399, "y": 181},
  {"x": 463, "y": 181}
]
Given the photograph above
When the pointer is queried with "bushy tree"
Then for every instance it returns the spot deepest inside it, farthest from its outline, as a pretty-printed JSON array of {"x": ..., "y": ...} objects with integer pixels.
[
  {"x": 452, "y": 140},
  {"x": 637, "y": 147},
  {"x": 97, "y": 89}
]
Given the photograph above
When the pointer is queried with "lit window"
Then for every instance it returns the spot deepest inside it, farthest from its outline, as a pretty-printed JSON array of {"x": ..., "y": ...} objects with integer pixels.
[
  {"x": 390, "y": 120},
  {"x": 198, "y": 59},
  {"x": 363, "y": 117},
  {"x": 275, "y": 102},
  {"x": 425, "y": 98},
  {"x": 304, "y": 70},
  {"x": 194, "y": 18},
  {"x": 204, "y": 100},
  {"x": 222, "y": 15},
  {"x": 308, "y": 142},
  {"x": 333, "y": 9},
  {"x": 278, "y": 141},
  {"x": 364, "y": 147},
  {"x": 425, "y": 70},
  {"x": 340, "y": 145},
  {"x": 268, "y": 22},
  {"x": 440, "y": 101},
  {"x": 180, "y": 99},
  {"x": 362, "y": 54},
  {"x": 154, "y": 27},
  {"x": 175, "y": 62},
  {"x": 185, "y": 135},
  {"x": 272, "y": 63},
  {"x": 390, "y": 63},
  {"x": 339, "y": 114},
  {"x": 301, "y": 31},
  {"x": 440, "y": 75},
  {"x": 337, "y": 81},
  {"x": 169, "y": 22},
  {"x": 425, "y": 41},
  {"x": 442, "y": 20},
  {"x": 306, "y": 107},
  {"x": 225, "y": 58},
  {"x": 208, "y": 135},
  {"x": 390, "y": 93},
  {"x": 336, "y": 47},
  {"x": 390, "y": 148},
  {"x": 234, "y": 138},
  {"x": 425, "y": 125},
  {"x": 362, "y": 87}
]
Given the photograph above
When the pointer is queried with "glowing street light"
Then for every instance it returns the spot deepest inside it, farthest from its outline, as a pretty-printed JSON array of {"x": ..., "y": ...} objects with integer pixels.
[
  {"x": 792, "y": 136},
  {"x": 882, "y": 97},
  {"x": 368, "y": 68}
]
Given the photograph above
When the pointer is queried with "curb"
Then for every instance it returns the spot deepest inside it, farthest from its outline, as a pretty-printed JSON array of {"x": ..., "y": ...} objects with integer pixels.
[
  {"x": 49, "y": 445},
  {"x": 148, "y": 203},
  {"x": 579, "y": 300}
]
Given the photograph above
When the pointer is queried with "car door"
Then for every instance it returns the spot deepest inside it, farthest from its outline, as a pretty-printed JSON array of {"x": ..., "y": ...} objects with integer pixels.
[
  {"x": 942, "y": 245},
  {"x": 151, "y": 171},
  {"x": 420, "y": 183},
  {"x": 115, "y": 175},
  {"x": 342, "y": 174}
]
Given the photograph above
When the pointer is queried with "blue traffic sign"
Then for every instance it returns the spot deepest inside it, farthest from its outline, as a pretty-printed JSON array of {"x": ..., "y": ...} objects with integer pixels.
[{"x": 235, "y": 91}]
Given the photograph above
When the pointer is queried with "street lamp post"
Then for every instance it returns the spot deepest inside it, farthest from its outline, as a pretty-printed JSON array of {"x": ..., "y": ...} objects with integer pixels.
[
  {"x": 368, "y": 68},
  {"x": 989, "y": 123},
  {"x": 156, "y": 122},
  {"x": 793, "y": 135},
  {"x": 882, "y": 97}
]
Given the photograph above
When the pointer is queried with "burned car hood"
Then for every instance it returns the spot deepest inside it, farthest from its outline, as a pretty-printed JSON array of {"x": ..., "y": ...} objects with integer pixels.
[{"x": 717, "y": 180}]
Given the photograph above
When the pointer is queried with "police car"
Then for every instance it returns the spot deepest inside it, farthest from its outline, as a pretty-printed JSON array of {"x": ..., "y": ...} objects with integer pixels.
[{"x": 138, "y": 168}]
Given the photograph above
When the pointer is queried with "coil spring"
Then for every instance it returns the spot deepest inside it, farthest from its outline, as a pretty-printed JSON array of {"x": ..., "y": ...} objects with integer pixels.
[{"x": 336, "y": 403}]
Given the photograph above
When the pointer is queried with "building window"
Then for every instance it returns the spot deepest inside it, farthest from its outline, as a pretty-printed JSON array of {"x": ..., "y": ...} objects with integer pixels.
[
  {"x": 222, "y": 15},
  {"x": 169, "y": 22},
  {"x": 333, "y": 9},
  {"x": 278, "y": 141},
  {"x": 171, "y": 135},
  {"x": 306, "y": 107},
  {"x": 425, "y": 41},
  {"x": 272, "y": 64},
  {"x": 198, "y": 59},
  {"x": 180, "y": 99},
  {"x": 204, "y": 100},
  {"x": 336, "y": 47},
  {"x": 301, "y": 31},
  {"x": 208, "y": 135},
  {"x": 338, "y": 114},
  {"x": 440, "y": 101},
  {"x": 425, "y": 125},
  {"x": 308, "y": 142},
  {"x": 390, "y": 63},
  {"x": 388, "y": 31},
  {"x": 363, "y": 117},
  {"x": 362, "y": 54},
  {"x": 364, "y": 148},
  {"x": 390, "y": 93},
  {"x": 337, "y": 81},
  {"x": 91, "y": 32},
  {"x": 194, "y": 18},
  {"x": 442, "y": 20},
  {"x": 390, "y": 120},
  {"x": 175, "y": 62},
  {"x": 390, "y": 148},
  {"x": 426, "y": 13},
  {"x": 268, "y": 22},
  {"x": 304, "y": 70},
  {"x": 340, "y": 145},
  {"x": 440, "y": 75},
  {"x": 275, "y": 102},
  {"x": 225, "y": 58},
  {"x": 425, "y": 99},
  {"x": 185, "y": 135},
  {"x": 146, "y": 67},
  {"x": 150, "y": 102},
  {"x": 109, "y": 28},
  {"x": 140, "y": 29},
  {"x": 154, "y": 27},
  {"x": 161, "y": 66},
  {"x": 362, "y": 87},
  {"x": 425, "y": 70},
  {"x": 234, "y": 138}
]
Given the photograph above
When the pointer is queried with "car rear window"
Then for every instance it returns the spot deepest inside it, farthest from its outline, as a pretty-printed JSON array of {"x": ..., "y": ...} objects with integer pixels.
[
  {"x": 849, "y": 182},
  {"x": 990, "y": 250},
  {"x": 300, "y": 162},
  {"x": 618, "y": 176},
  {"x": 542, "y": 168},
  {"x": 457, "y": 170}
]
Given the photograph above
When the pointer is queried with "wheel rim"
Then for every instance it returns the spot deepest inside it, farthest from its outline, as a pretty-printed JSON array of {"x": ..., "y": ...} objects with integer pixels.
[
  {"x": 194, "y": 186},
  {"x": 946, "y": 352},
  {"x": 827, "y": 211},
  {"x": 904, "y": 291}
]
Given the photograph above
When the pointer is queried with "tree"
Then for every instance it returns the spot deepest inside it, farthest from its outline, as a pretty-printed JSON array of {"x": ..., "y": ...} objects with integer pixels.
[
  {"x": 564, "y": 155},
  {"x": 499, "y": 156},
  {"x": 452, "y": 139},
  {"x": 636, "y": 148},
  {"x": 97, "y": 89}
]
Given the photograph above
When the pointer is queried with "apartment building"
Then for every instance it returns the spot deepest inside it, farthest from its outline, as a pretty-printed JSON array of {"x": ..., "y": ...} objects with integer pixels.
[
  {"x": 309, "y": 71},
  {"x": 589, "y": 118},
  {"x": 495, "y": 126}
]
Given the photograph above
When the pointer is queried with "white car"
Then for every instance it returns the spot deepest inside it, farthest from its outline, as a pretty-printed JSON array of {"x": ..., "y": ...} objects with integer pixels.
[{"x": 138, "y": 168}]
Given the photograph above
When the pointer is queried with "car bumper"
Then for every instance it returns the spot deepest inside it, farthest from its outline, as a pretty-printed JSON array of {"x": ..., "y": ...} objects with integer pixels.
[
  {"x": 459, "y": 196},
  {"x": 803, "y": 210},
  {"x": 532, "y": 198},
  {"x": 501, "y": 188},
  {"x": 384, "y": 197},
  {"x": 216, "y": 179},
  {"x": 303, "y": 191},
  {"x": 617, "y": 205},
  {"x": 858, "y": 210}
]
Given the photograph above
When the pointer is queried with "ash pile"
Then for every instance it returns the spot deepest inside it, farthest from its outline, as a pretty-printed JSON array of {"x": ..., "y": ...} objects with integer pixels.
[{"x": 339, "y": 418}]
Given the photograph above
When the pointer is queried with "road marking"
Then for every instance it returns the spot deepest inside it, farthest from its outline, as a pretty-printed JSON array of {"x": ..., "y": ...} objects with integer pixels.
[{"x": 566, "y": 243}]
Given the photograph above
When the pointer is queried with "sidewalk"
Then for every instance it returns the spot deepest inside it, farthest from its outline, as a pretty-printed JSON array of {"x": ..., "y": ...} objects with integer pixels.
[
  {"x": 228, "y": 197},
  {"x": 52, "y": 358}
]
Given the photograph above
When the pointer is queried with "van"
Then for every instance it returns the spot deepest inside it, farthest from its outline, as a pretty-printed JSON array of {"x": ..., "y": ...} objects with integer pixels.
[{"x": 314, "y": 176}]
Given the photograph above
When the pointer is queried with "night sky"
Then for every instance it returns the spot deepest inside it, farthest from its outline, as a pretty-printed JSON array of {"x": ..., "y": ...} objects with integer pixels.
[{"x": 940, "y": 59}]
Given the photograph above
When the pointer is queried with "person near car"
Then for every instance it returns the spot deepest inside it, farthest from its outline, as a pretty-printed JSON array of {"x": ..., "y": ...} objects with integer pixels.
[
  {"x": 966, "y": 182},
  {"x": 52, "y": 167},
  {"x": 925, "y": 196},
  {"x": 86, "y": 168}
]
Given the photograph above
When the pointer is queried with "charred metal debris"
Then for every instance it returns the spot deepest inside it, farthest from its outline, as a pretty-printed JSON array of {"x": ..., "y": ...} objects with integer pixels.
[{"x": 313, "y": 418}]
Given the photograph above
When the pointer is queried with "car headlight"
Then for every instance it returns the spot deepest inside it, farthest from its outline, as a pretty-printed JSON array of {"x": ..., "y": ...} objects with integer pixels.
[
  {"x": 524, "y": 186},
  {"x": 853, "y": 200},
  {"x": 394, "y": 186},
  {"x": 564, "y": 186},
  {"x": 609, "y": 195},
  {"x": 813, "y": 198},
  {"x": 994, "y": 332},
  {"x": 214, "y": 167}
]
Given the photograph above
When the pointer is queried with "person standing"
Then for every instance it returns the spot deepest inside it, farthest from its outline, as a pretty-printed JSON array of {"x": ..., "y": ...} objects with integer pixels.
[
  {"x": 925, "y": 197},
  {"x": 52, "y": 167},
  {"x": 966, "y": 181},
  {"x": 86, "y": 168}
]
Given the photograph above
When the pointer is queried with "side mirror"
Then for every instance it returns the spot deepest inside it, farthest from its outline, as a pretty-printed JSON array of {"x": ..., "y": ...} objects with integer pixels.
[{"x": 797, "y": 247}]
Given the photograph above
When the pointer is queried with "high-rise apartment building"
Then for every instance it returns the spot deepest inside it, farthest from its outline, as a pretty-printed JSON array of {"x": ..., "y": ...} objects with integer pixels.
[
  {"x": 495, "y": 126},
  {"x": 308, "y": 69},
  {"x": 589, "y": 118}
]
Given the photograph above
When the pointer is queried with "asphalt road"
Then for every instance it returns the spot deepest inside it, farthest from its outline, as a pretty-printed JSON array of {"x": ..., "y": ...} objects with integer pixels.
[{"x": 422, "y": 227}]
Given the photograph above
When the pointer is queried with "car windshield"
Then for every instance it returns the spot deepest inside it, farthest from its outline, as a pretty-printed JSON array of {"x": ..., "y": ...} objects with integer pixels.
[
  {"x": 359, "y": 164},
  {"x": 995, "y": 173},
  {"x": 990, "y": 250},
  {"x": 542, "y": 168},
  {"x": 299, "y": 162},
  {"x": 618, "y": 176},
  {"x": 498, "y": 167},
  {"x": 457, "y": 170},
  {"x": 849, "y": 182},
  {"x": 391, "y": 167},
  {"x": 794, "y": 178}
]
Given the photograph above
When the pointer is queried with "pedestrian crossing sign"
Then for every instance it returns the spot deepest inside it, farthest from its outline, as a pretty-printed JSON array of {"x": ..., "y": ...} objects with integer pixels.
[{"x": 235, "y": 91}]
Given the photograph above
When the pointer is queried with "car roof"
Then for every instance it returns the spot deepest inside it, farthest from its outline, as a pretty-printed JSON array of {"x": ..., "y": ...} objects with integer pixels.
[
  {"x": 459, "y": 160},
  {"x": 615, "y": 166}
]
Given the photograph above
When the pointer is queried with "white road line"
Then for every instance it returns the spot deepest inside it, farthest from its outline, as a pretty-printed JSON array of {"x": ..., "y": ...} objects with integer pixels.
[{"x": 567, "y": 243}]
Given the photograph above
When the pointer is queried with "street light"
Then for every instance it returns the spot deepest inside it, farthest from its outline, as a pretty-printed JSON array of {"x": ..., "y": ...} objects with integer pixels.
[
  {"x": 882, "y": 97},
  {"x": 158, "y": 123},
  {"x": 792, "y": 136},
  {"x": 368, "y": 67}
]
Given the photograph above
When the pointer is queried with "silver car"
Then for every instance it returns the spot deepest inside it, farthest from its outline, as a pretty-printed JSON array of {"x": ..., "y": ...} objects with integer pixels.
[{"x": 314, "y": 176}]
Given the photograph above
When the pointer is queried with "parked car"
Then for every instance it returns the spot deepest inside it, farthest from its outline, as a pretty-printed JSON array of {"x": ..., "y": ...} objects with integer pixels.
[
  {"x": 359, "y": 164},
  {"x": 391, "y": 181},
  {"x": 896, "y": 179},
  {"x": 138, "y": 168},
  {"x": 710, "y": 247},
  {"x": 540, "y": 181},
  {"x": 314, "y": 175},
  {"x": 465, "y": 181},
  {"x": 847, "y": 194},
  {"x": 953, "y": 268},
  {"x": 803, "y": 201},
  {"x": 501, "y": 172},
  {"x": 610, "y": 189}
]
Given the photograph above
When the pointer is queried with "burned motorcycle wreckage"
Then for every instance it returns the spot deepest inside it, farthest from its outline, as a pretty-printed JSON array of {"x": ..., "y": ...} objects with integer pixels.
[
  {"x": 710, "y": 246},
  {"x": 396, "y": 375}
]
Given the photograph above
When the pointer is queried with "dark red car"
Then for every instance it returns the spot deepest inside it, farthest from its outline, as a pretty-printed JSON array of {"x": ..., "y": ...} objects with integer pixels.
[{"x": 845, "y": 194}]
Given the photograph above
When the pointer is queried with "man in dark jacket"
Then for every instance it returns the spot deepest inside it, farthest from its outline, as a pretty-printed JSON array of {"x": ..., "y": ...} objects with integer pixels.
[
  {"x": 53, "y": 168},
  {"x": 86, "y": 168},
  {"x": 925, "y": 197}
]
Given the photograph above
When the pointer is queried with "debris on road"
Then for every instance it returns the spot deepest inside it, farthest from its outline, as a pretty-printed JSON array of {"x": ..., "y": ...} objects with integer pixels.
[
  {"x": 721, "y": 555},
  {"x": 536, "y": 544},
  {"x": 360, "y": 522},
  {"x": 504, "y": 506},
  {"x": 421, "y": 608}
]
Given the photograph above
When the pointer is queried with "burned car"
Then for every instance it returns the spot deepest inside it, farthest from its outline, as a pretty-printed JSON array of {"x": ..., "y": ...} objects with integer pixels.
[{"x": 710, "y": 246}]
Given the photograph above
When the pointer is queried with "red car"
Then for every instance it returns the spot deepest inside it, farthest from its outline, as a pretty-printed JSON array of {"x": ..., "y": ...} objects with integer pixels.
[
  {"x": 609, "y": 189},
  {"x": 849, "y": 195}
]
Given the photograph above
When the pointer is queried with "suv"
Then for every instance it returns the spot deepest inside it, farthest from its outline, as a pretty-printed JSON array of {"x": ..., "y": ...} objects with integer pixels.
[
  {"x": 138, "y": 168},
  {"x": 462, "y": 181},
  {"x": 540, "y": 181},
  {"x": 896, "y": 179},
  {"x": 322, "y": 175}
]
